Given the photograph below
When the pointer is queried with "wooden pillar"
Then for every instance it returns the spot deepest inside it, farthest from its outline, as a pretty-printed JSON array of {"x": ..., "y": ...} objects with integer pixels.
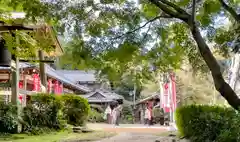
[
  {"x": 25, "y": 88},
  {"x": 15, "y": 90},
  {"x": 15, "y": 81},
  {"x": 42, "y": 69}
]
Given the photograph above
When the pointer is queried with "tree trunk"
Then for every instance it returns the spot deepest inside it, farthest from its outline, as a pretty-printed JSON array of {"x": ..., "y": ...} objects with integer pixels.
[
  {"x": 223, "y": 88},
  {"x": 234, "y": 71}
]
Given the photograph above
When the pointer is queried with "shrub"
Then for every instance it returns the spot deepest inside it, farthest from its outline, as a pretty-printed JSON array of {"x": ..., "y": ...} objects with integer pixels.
[
  {"x": 127, "y": 116},
  {"x": 8, "y": 118},
  {"x": 231, "y": 131},
  {"x": 205, "y": 123},
  {"x": 98, "y": 108},
  {"x": 75, "y": 110},
  {"x": 95, "y": 116},
  {"x": 42, "y": 111}
]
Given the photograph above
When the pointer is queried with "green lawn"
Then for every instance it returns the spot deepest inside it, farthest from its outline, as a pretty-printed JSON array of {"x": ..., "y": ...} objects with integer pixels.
[{"x": 57, "y": 136}]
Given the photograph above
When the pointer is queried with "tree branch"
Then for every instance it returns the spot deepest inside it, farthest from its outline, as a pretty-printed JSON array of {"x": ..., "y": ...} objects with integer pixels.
[
  {"x": 174, "y": 6},
  {"x": 220, "y": 84},
  {"x": 230, "y": 10},
  {"x": 193, "y": 10},
  {"x": 176, "y": 13},
  {"x": 144, "y": 25}
]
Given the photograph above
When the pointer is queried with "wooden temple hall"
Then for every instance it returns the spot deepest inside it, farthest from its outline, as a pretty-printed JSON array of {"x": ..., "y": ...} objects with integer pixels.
[{"x": 19, "y": 77}]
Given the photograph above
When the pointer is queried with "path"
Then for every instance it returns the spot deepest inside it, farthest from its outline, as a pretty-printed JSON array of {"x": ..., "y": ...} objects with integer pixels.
[
  {"x": 131, "y": 132},
  {"x": 132, "y": 137}
]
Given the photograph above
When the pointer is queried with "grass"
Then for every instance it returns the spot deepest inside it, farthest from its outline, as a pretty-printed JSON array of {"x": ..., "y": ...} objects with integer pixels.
[{"x": 66, "y": 136}]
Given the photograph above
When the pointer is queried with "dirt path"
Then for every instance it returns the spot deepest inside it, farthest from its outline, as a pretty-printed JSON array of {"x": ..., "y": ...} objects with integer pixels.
[
  {"x": 132, "y": 137},
  {"x": 131, "y": 132}
]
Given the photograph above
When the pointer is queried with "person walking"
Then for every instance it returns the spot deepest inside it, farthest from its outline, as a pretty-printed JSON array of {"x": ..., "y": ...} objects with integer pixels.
[
  {"x": 107, "y": 114},
  {"x": 117, "y": 113},
  {"x": 147, "y": 116}
]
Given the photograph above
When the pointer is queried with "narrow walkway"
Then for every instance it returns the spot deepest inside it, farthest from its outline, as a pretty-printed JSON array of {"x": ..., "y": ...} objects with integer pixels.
[
  {"x": 131, "y": 132},
  {"x": 131, "y": 137}
]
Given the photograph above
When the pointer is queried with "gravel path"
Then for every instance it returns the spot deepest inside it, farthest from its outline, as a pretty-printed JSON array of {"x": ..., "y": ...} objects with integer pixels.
[
  {"x": 133, "y": 133},
  {"x": 131, "y": 137}
]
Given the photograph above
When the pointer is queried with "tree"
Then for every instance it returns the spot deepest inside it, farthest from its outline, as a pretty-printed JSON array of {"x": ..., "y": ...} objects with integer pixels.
[
  {"x": 30, "y": 38},
  {"x": 116, "y": 35}
]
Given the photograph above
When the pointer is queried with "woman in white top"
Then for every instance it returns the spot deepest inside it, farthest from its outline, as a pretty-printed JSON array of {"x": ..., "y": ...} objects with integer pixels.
[
  {"x": 147, "y": 116},
  {"x": 107, "y": 114}
]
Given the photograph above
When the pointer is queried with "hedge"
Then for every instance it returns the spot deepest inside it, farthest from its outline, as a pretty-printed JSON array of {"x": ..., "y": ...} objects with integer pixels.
[
  {"x": 42, "y": 111},
  {"x": 8, "y": 118},
  {"x": 45, "y": 112},
  {"x": 95, "y": 116},
  {"x": 208, "y": 123},
  {"x": 75, "y": 110}
]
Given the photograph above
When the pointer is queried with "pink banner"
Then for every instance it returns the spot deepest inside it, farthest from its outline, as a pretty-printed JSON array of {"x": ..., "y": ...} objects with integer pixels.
[
  {"x": 20, "y": 84},
  {"x": 56, "y": 87},
  {"x": 174, "y": 93},
  {"x": 50, "y": 86},
  {"x": 20, "y": 97},
  {"x": 36, "y": 82},
  {"x": 166, "y": 100},
  {"x": 60, "y": 88}
]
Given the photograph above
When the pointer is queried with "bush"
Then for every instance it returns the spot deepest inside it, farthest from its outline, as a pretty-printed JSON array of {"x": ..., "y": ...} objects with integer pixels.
[
  {"x": 75, "y": 110},
  {"x": 8, "y": 118},
  {"x": 207, "y": 123},
  {"x": 42, "y": 111},
  {"x": 95, "y": 116},
  {"x": 127, "y": 114},
  {"x": 98, "y": 108}
]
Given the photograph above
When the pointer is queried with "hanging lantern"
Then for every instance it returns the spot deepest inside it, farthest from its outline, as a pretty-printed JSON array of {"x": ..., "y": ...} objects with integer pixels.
[{"x": 5, "y": 55}]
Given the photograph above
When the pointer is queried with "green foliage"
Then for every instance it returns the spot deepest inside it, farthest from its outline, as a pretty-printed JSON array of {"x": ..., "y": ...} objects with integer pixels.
[
  {"x": 115, "y": 37},
  {"x": 126, "y": 86},
  {"x": 29, "y": 42},
  {"x": 42, "y": 112},
  {"x": 208, "y": 123},
  {"x": 150, "y": 10},
  {"x": 95, "y": 116},
  {"x": 98, "y": 108},
  {"x": 75, "y": 110},
  {"x": 127, "y": 116},
  {"x": 8, "y": 118}
]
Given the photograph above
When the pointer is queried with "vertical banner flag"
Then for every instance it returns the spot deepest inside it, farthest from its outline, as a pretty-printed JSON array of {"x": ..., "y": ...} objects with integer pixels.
[
  {"x": 174, "y": 93},
  {"x": 56, "y": 87},
  {"x": 166, "y": 98},
  {"x": 49, "y": 89},
  {"x": 36, "y": 82},
  {"x": 61, "y": 88},
  {"x": 20, "y": 84}
]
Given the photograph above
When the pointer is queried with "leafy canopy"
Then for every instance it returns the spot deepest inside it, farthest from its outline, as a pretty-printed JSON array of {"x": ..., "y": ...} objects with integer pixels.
[
  {"x": 23, "y": 43},
  {"x": 117, "y": 36}
]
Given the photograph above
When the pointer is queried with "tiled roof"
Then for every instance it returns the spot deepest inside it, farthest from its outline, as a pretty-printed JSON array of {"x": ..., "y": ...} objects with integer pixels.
[
  {"x": 99, "y": 101},
  {"x": 21, "y": 65},
  {"x": 155, "y": 95},
  {"x": 107, "y": 94},
  {"x": 52, "y": 73},
  {"x": 57, "y": 75},
  {"x": 77, "y": 75}
]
